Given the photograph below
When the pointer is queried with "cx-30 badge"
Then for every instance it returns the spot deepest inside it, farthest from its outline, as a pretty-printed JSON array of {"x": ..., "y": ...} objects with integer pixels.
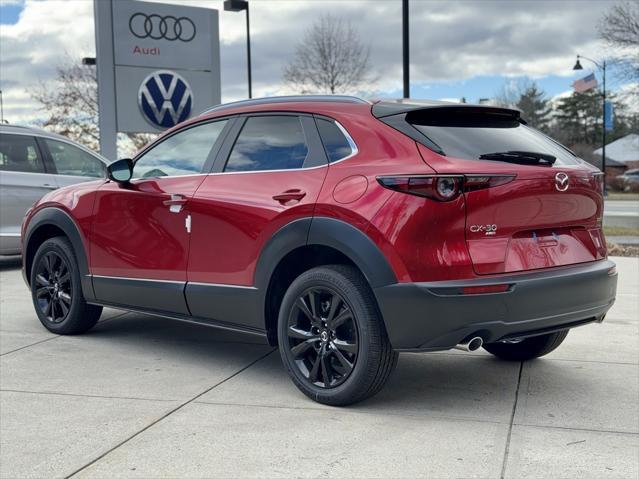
[
  {"x": 561, "y": 181},
  {"x": 165, "y": 99},
  {"x": 488, "y": 230}
]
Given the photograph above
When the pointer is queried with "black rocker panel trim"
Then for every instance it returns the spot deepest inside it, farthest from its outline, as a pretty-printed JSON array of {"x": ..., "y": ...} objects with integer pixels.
[
  {"x": 185, "y": 318},
  {"x": 237, "y": 305},
  {"x": 165, "y": 296},
  {"x": 52, "y": 216}
]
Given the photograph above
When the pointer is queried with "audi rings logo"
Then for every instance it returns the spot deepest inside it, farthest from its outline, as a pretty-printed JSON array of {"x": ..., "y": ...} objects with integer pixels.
[
  {"x": 165, "y": 99},
  {"x": 158, "y": 27}
]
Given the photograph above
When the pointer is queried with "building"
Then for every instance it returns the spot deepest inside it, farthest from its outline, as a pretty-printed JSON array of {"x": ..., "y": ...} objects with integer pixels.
[{"x": 624, "y": 151}]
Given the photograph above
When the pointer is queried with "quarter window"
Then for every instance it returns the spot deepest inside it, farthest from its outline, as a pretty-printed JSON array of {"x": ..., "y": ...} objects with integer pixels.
[
  {"x": 20, "y": 153},
  {"x": 269, "y": 143},
  {"x": 183, "y": 153},
  {"x": 71, "y": 160},
  {"x": 337, "y": 146}
]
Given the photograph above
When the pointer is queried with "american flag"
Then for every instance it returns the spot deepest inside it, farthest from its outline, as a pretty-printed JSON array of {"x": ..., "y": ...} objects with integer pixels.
[{"x": 584, "y": 84}]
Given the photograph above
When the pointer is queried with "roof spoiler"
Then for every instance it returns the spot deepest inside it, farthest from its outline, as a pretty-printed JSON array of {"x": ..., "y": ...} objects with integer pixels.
[
  {"x": 398, "y": 115},
  {"x": 384, "y": 109}
]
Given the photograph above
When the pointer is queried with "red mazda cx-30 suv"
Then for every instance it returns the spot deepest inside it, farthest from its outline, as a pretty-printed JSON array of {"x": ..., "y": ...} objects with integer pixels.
[{"x": 343, "y": 231}]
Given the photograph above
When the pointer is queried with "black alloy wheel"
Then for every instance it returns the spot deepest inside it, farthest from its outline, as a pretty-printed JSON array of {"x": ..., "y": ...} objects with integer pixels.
[
  {"x": 53, "y": 287},
  {"x": 56, "y": 289},
  {"x": 332, "y": 338},
  {"x": 323, "y": 337}
]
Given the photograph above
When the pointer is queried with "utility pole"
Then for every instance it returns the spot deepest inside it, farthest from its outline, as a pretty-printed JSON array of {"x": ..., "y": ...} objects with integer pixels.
[
  {"x": 405, "y": 49},
  {"x": 238, "y": 6}
]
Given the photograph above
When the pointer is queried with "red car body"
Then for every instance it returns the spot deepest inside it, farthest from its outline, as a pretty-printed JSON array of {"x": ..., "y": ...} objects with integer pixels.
[{"x": 501, "y": 262}]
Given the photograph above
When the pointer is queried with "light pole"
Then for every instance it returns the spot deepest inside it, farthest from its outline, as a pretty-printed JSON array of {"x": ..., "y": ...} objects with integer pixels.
[
  {"x": 602, "y": 67},
  {"x": 238, "y": 6},
  {"x": 405, "y": 49},
  {"x": 1, "y": 108}
]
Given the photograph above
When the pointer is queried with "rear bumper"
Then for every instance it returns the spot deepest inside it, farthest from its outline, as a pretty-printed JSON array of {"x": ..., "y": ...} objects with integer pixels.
[{"x": 436, "y": 316}]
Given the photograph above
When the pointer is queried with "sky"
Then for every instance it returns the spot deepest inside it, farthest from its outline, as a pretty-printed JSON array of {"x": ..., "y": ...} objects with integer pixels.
[{"x": 472, "y": 49}]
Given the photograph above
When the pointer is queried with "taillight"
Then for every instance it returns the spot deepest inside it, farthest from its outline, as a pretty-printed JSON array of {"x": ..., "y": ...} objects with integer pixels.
[
  {"x": 439, "y": 188},
  {"x": 479, "y": 182},
  {"x": 442, "y": 187}
]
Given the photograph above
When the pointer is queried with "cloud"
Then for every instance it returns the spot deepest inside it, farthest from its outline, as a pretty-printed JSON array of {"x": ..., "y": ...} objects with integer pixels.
[{"x": 450, "y": 40}]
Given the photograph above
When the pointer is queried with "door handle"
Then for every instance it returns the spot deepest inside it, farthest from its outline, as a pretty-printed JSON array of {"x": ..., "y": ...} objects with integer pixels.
[
  {"x": 175, "y": 204},
  {"x": 49, "y": 186},
  {"x": 290, "y": 195}
]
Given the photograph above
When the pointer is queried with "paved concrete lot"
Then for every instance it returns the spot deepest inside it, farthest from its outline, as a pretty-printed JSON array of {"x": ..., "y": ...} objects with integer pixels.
[{"x": 145, "y": 397}]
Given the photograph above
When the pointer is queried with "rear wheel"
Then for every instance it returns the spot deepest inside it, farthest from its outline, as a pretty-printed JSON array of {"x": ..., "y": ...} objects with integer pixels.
[
  {"x": 56, "y": 290},
  {"x": 528, "y": 348},
  {"x": 332, "y": 338}
]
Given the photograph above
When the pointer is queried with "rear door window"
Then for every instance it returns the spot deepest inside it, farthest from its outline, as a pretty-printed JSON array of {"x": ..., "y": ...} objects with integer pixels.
[
  {"x": 468, "y": 135},
  {"x": 274, "y": 142},
  {"x": 20, "y": 153}
]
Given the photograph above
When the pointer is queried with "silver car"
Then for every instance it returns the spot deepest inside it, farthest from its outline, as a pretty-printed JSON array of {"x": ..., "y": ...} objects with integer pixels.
[
  {"x": 630, "y": 179},
  {"x": 33, "y": 162}
]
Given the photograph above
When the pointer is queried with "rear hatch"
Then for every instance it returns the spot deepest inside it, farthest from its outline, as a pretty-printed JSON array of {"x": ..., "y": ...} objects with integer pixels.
[{"x": 542, "y": 206}]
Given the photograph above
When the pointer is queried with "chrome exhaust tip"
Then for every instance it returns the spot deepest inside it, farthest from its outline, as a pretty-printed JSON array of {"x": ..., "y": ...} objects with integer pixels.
[{"x": 471, "y": 345}]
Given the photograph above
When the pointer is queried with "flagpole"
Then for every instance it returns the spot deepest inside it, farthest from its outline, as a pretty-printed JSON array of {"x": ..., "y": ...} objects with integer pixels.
[{"x": 602, "y": 67}]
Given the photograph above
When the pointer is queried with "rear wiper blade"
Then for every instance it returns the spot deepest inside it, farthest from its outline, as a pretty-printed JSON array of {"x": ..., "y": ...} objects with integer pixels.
[{"x": 521, "y": 157}]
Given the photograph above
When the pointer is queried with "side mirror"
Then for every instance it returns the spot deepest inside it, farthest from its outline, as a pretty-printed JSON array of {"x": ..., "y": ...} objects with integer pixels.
[{"x": 121, "y": 170}]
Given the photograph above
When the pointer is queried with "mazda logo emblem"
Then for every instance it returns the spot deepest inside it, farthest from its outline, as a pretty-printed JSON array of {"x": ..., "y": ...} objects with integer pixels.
[
  {"x": 157, "y": 27},
  {"x": 165, "y": 99},
  {"x": 561, "y": 181}
]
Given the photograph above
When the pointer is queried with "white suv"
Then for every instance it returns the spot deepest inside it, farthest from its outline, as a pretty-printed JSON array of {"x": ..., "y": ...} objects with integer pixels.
[{"x": 33, "y": 162}]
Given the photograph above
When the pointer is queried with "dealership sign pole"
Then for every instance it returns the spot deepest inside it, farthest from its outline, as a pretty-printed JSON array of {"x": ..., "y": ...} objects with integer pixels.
[{"x": 157, "y": 65}]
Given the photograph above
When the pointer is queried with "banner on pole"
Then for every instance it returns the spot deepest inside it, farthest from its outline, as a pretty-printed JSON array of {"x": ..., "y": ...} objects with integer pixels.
[{"x": 608, "y": 115}]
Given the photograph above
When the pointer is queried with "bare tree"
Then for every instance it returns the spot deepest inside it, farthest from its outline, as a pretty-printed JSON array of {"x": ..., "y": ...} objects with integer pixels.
[
  {"x": 330, "y": 59},
  {"x": 72, "y": 105},
  {"x": 620, "y": 29}
]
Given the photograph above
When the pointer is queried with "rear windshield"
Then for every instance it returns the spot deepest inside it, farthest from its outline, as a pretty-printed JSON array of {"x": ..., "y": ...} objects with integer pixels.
[{"x": 468, "y": 135}]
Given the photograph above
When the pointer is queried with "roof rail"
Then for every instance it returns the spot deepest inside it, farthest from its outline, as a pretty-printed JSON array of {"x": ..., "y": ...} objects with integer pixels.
[
  {"x": 15, "y": 126},
  {"x": 285, "y": 99}
]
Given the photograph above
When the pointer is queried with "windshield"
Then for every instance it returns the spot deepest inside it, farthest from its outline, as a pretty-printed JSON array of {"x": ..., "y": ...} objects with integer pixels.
[{"x": 468, "y": 136}]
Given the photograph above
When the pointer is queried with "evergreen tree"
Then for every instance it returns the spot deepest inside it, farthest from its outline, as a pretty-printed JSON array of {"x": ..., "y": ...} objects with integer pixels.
[
  {"x": 578, "y": 119},
  {"x": 534, "y": 107}
]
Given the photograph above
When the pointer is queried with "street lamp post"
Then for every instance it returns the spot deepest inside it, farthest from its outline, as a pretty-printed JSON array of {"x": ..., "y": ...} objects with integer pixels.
[
  {"x": 405, "y": 49},
  {"x": 238, "y": 6},
  {"x": 1, "y": 108},
  {"x": 602, "y": 67}
]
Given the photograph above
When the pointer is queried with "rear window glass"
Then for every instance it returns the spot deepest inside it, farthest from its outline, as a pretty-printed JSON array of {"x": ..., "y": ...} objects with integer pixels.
[
  {"x": 468, "y": 135},
  {"x": 335, "y": 143}
]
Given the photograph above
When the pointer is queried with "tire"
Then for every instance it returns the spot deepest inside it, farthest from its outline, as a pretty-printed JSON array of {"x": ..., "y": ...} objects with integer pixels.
[
  {"x": 57, "y": 292},
  {"x": 529, "y": 348},
  {"x": 331, "y": 310}
]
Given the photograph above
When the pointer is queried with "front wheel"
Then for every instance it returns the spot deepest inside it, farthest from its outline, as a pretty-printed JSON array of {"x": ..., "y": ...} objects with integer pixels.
[
  {"x": 56, "y": 290},
  {"x": 528, "y": 348},
  {"x": 332, "y": 337}
]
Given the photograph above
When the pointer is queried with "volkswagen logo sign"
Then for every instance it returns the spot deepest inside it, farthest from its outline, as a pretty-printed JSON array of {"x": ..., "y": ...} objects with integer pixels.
[
  {"x": 157, "y": 27},
  {"x": 165, "y": 99},
  {"x": 561, "y": 181}
]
